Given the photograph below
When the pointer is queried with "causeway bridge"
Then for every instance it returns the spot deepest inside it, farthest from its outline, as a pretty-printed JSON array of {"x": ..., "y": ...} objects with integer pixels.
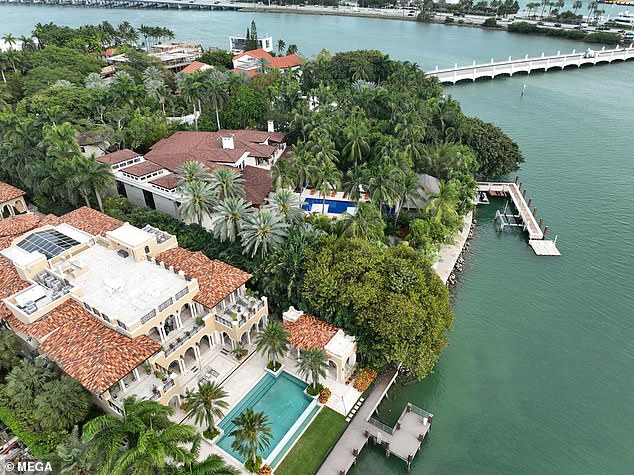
[{"x": 528, "y": 65}]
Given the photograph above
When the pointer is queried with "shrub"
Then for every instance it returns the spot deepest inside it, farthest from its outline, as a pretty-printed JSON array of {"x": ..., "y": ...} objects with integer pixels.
[
  {"x": 211, "y": 433},
  {"x": 314, "y": 391},
  {"x": 364, "y": 379},
  {"x": 490, "y": 23},
  {"x": 274, "y": 365},
  {"x": 603, "y": 37},
  {"x": 324, "y": 395},
  {"x": 253, "y": 467},
  {"x": 265, "y": 470},
  {"x": 448, "y": 19}
]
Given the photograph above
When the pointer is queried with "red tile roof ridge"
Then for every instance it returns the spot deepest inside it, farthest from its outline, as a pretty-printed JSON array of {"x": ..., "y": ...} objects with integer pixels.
[
  {"x": 9, "y": 192},
  {"x": 309, "y": 332}
]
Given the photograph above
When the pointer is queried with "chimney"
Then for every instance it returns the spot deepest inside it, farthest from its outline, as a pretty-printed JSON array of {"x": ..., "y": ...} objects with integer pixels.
[
  {"x": 271, "y": 126},
  {"x": 227, "y": 143}
]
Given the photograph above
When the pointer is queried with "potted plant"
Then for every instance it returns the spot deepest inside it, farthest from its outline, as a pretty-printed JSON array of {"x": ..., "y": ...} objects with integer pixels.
[
  {"x": 199, "y": 321},
  {"x": 324, "y": 395},
  {"x": 313, "y": 364},
  {"x": 272, "y": 342},
  {"x": 160, "y": 375},
  {"x": 234, "y": 316},
  {"x": 188, "y": 333},
  {"x": 239, "y": 352},
  {"x": 148, "y": 368}
]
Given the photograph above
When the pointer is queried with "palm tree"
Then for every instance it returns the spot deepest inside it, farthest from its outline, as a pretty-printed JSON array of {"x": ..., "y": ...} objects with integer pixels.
[
  {"x": 443, "y": 207},
  {"x": 228, "y": 183},
  {"x": 212, "y": 465},
  {"x": 383, "y": 185},
  {"x": 27, "y": 43},
  {"x": 356, "y": 182},
  {"x": 577, "y": 4},
  {"x": 156, "y": 90},
  {"x": 9, "y": 39},
  {"x": 281, "y": 45},
  {"x": 197, "y": 198},
  {"x": 61, "y": 404},
  {"x": 305, "y": 167},
  {"x": 26, "y": 380},
  {"x": 194, "y": 88},
  {"x": 228, "y": 218},
  {"x": 123, "y": 89},
  {"x": 94, "y": 81},
  {"x": 327, "y": 177},
  {"x": 90, "y": 176},
  {"x": 252, "y": 434},
  {"x": 152, "y": 73},
  {"x": 73, "y": 456},
  {"x": 409, "y": 192},
  {"x": 207, "y": 403},
  {"x": 142, "y": 440},
  {"x": 283, "y": 173},
  {"x": 357, "y": 146},
  {"x": 292, "y": 49},
  {"x": 193, "y": 171},
  {"x": 286, "y": 202},
  {"x": 264, "y": 65},
  {"x": 272, "y": 341},
  {"x": 366, "y": 223},
  {"x": 262, "y": 231},
  {"x": 313, "y": 364}
]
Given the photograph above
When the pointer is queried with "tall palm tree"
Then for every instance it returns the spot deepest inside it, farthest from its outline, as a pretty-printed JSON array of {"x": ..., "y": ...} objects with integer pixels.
[
  {"x": 193, "y": 171},
  {"x": 197, "y": 198},
  {"x": 26, "y": 380},
  {"x": 323, "y": 148},
  {"x": 305, "y": 166},
  {"x": 142, "y": 440},
  {"x": 264, "y": 65},
  {"x": 10, "y": 40},
  {"x": 281, "y": 46},
  {"x": 152, "y": 73},
  {"x": 272, "y": 341},
  {"x": 207, "y": 403},
  {"x": 262, "y": 231},
  {"x": 90, "y": 176},
  {"x": 156, "y": 90},
  {"x": 357, "y": 146},
  {"x": 216, "y": 92},
  {"x": 366, "y": 223},
  {"x": 409, "y": 192},
  {"x": 27, "y": 43},
  {"x": 327, "y": 177},
  {"x": 286, "y": 202},
  {"x": 443, "y": 207},
  {"x": 383, "y": 185},
  {"x": 227, "y": 182},
  {"x": 355, "y": 182},
  {"x": 292, "y": 49},
  {"x": 252, "y": 434},
  {"x": 313, "y": 364},
  {"x": 283, "y": 173},
  {"x": 228, "y": 218},
  {"x": 576, "y": 5},
  {"x": 193, "y": 87}
]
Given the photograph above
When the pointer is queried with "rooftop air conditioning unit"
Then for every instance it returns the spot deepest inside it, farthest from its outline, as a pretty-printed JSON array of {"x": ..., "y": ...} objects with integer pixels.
[
  {"x": 29, "y": 309},
  {"x": 56, "y": 295}
]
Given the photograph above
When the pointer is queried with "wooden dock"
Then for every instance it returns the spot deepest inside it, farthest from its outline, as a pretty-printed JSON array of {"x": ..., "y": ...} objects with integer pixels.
[
  {"x": 525, "y": 218},
  {"x": 404, "y": 440}
]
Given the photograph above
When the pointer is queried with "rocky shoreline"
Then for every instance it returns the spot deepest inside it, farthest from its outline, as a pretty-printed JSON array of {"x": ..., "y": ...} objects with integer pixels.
[{"x": 459, "y": 265}]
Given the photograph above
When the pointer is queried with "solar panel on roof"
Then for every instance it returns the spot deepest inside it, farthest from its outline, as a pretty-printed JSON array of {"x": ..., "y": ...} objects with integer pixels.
[{"x": 50, "y": 243}]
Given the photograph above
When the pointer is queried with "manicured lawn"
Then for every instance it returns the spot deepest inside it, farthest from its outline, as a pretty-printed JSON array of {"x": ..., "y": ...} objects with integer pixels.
[{"x": 311, "y": 448}]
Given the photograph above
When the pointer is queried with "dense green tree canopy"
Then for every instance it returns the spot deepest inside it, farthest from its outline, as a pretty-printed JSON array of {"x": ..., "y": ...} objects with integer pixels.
[{"x": 389, "y": 297}]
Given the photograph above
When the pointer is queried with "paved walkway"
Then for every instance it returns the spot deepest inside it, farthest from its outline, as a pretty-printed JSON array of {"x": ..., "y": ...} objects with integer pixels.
[{"x": 449, "y": 253}]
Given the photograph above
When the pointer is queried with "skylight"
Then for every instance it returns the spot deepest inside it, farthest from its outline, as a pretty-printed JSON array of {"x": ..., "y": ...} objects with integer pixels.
[{"x": 50, "y": 243}]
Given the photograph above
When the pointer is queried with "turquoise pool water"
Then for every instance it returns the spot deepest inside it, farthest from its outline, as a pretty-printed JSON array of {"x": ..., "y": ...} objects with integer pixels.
[{"x": 281, "y": 398}]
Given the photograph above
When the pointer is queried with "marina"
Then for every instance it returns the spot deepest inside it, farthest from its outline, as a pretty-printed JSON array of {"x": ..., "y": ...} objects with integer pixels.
[{"x": 525, "y": 218}]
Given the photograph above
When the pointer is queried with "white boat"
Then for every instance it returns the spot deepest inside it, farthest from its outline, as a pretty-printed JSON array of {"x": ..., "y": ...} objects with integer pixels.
[{"x": 625, "y": 18}]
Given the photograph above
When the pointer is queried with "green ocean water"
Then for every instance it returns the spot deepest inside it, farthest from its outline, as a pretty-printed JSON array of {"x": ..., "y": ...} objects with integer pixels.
[{"x": 539, "y": 373}]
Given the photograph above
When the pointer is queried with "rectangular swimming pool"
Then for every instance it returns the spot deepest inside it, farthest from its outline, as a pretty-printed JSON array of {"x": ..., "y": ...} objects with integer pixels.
[
  {"x": 334, "y": 206},
  {"x": 282, "y": 399}
]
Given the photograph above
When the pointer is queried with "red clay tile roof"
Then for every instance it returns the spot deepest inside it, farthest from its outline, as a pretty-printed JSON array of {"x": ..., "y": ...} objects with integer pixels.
[
  {"x": 87, "y": 350},
  {"x": 251, "y": 72},
  {"x": 10, "y": 283},
  {"x": 278, "y": 62},
  {"x": 285, "y": 62},
  {"x": 216, "y": 280},
  {"x": 258, "y": 183},
  {"x": 142, "y": 169},
  {"x": 308, "y": 332},
  {"x": 167, "y": 181},
  {"x": 91, "y": 221},
  {"x": 15, "y": 225},
  {"x": 196, "y": 66},
  {"x": 254, "y": 53},
  {"x": 9, "y": 192},
  {"x": 206, "y": 147},
  {"x": 118, "y": 156}
]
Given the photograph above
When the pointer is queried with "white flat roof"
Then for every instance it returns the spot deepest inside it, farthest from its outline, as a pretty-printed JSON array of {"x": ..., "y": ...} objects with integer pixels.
[
  {"x": 340, "y": 343},
  {"x": 130, "y": 235},
  {"x": 122, "y": 288}
]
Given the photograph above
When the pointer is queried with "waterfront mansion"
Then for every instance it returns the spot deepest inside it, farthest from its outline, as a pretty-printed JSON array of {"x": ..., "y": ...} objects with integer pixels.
[
  {"x": 121, "y": 309},
  {"x": 151, "y": 179}
]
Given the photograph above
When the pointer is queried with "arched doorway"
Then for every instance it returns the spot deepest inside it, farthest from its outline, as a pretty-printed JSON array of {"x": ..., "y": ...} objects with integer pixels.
[
  {"x": 186, "y": 314},
  {"x": 154, "y": 334},
  {"x": 174, "y": 367},
  {"x": 204, "y": 345},
  {"x": 332, "y": 370},
  {"x": 175, "y": 401},
  {"x": 190, "y": 358},
  {"x": 169, "y": 325}
]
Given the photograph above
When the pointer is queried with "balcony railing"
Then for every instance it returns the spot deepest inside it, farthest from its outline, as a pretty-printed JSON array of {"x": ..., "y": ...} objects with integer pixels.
[
  {"x": 242, "y": 311},
  {"x": 148, "y": 316},
  {"x": 183, "y": 338},
  {"x": 182, "y": 293},
  {"x": 166, "y": 304},
  {"x": 224, "y": 321}
]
